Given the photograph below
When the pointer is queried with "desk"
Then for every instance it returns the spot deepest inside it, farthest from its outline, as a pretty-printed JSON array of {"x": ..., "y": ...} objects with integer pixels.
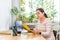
[{"x": 28, "y": 36}]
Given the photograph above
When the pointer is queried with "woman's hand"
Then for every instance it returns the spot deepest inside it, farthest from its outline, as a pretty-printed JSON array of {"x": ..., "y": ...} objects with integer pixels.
[
  {"x": 35, "y": 31},
  {"x": 29, "y": 31}
]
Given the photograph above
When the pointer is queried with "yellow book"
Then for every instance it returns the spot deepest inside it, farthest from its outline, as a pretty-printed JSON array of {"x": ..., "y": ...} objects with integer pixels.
[{"x": 26, "y": 27}]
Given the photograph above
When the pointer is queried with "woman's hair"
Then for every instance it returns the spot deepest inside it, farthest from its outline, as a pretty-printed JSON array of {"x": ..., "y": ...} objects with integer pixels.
[{"x": 41, "y": 10}]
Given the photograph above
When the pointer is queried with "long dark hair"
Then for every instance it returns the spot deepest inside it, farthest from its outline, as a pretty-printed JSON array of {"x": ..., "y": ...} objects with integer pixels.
[{"x": 41, "y": 10}]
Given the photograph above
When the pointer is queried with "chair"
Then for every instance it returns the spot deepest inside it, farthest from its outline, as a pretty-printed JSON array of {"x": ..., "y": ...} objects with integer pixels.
[{"x": 55, "y": 33}]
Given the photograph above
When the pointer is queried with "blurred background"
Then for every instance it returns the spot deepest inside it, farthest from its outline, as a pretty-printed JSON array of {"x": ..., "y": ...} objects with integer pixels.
[{"x": 24, "y": 10}]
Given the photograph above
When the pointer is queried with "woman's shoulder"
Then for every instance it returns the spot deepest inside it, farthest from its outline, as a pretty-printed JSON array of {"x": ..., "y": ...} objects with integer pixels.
[{"x": 48, "y": 20}]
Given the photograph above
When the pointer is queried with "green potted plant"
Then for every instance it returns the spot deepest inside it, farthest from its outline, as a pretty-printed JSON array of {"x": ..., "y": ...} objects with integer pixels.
[
  {"x": 14, "y": 13},
  {"x": 18, "y": 21}
]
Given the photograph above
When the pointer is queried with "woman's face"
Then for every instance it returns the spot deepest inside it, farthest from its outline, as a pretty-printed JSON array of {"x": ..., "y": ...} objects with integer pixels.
[{"x": 39, "y": 14}]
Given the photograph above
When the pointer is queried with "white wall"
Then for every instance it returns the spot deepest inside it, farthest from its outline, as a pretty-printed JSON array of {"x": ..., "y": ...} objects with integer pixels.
[{"x": 5, "y": 16}]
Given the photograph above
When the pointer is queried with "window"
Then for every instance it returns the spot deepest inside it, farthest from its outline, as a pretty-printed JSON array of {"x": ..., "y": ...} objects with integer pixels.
[{"x": 28, "y": 9}]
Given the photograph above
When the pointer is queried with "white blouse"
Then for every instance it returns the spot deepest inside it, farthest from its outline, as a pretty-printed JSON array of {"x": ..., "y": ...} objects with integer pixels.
[{"x": 46, "y": 29}]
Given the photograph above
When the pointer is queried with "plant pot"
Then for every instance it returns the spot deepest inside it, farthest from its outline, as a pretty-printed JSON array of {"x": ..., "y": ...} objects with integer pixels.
[{"x": 18, "y": 25}]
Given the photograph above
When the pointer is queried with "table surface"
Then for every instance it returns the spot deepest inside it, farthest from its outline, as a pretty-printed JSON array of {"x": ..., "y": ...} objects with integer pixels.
[{"x": 28, "y": 36}]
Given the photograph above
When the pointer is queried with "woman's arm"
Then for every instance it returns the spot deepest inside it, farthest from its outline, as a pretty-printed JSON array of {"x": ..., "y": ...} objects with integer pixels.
[{"x": 48, "y": 30}]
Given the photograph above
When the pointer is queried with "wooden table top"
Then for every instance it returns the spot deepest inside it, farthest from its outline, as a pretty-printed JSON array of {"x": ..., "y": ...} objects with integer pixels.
[{"x": 28, "y": 36}]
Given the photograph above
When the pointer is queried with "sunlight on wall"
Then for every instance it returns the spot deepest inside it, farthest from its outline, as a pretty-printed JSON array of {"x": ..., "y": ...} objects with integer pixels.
[{"x": 5, "y": 15}]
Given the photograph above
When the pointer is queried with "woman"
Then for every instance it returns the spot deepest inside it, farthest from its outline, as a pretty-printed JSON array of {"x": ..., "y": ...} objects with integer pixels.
[{"x": 44, "y": 25}]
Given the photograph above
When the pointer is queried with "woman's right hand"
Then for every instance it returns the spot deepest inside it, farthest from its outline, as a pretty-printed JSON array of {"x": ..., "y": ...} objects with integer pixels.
[{"x": 35, "y": 31}]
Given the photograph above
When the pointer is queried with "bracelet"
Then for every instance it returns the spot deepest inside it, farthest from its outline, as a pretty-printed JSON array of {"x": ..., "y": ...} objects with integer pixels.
[{"x": 39, "y": 32}]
